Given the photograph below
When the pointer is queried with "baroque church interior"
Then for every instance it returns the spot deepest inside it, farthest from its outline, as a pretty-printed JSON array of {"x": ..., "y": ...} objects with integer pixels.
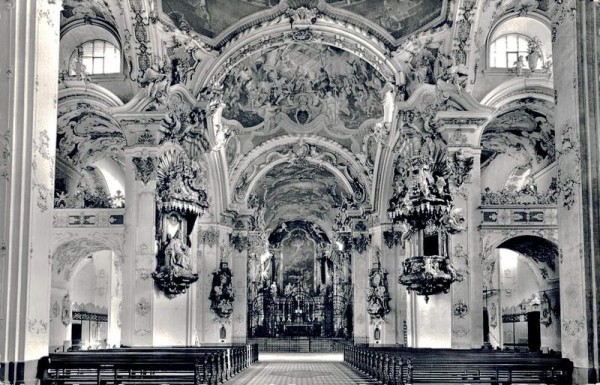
[{"x": 378, "y": 177}]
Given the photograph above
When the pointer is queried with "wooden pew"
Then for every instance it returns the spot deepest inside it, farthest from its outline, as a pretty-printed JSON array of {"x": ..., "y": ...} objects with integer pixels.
[
  {"x": 401, "y": 366},
  {"x": 205, "y": 365}
]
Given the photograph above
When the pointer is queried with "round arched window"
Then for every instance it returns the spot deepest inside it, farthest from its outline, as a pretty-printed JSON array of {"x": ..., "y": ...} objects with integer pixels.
[{"x": 95, "y": 57}]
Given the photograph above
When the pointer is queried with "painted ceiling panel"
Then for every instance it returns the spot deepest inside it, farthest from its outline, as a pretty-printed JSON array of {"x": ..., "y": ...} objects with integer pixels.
[
  {"x": 303, "y": 88},
  {"x": 397, "y": 17}
]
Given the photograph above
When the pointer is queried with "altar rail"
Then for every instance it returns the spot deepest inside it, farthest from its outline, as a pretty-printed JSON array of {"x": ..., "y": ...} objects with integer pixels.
[
  {"x": 403, "y": 366},
  {"x": 155, "y": 366},
  {"x": 298, "y": 344}
]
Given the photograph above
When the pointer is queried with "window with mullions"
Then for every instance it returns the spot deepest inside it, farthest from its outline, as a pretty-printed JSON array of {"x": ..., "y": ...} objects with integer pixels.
[
  {"x": 96, "y": 57},
  {"x": 506, "y": 49}
]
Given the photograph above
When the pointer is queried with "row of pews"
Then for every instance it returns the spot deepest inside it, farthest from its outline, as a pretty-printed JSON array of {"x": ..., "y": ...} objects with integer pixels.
[
  {"x": 395, "y": 365},
  {"x": 210, "y": 365}
]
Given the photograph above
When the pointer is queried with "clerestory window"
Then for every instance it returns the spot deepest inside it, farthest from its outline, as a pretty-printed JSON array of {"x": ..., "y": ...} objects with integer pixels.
[{"x": 95, "y": 57}]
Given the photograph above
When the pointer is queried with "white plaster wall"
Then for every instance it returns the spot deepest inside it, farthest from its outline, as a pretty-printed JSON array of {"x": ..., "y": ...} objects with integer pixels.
[
  {"x": 83, "y": 284},
  {"x": 433, "y": 321},
  {"x": 170, "y": 320}
]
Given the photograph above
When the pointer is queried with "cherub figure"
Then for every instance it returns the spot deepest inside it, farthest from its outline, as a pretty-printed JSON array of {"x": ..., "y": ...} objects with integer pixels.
[{"x": 519, "y": 65}]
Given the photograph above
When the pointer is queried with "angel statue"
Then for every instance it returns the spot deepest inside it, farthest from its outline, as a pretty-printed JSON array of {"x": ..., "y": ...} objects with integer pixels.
[
  {"x": 453, "y": 221},
  {"x": 156, "y": 81}
]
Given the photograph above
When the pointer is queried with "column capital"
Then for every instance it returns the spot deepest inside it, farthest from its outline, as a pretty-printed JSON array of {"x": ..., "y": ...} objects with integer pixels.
[{"x": 462, "y": 128}]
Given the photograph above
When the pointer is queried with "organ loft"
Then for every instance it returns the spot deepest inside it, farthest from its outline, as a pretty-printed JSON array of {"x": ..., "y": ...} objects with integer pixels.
[{"x": 188, "y": 186}]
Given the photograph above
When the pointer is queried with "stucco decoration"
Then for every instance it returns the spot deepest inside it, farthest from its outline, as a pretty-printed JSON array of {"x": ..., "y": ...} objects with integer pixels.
[
  {"x": 37, "y": 326},
  {"x": 461, "y": 167},
  {"x": 142, "y": 40},
  {"x": 67, "y": 254},
  {"x": 181, "y": 183},
  {"x": 66, "y": 313},
  {"x": 524, "y": 134},
  {"x": 142, "y": 307},
  {"x": 528, "y": 196},
  {"x": 460, "y": 309},
  {"x": 87, "y": 133},
  {"x": 5, "y": 153},
  {"x": 85, "y": 9},
  {"x": 183, "y": 124},
  {"x": 394, "y": 18},
  {"x": 145, "y": 168},
  {"x": 303, "y": 88}
]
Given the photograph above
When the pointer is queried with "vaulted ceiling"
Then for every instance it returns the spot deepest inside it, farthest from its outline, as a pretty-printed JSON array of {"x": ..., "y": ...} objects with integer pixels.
[{"x": 300, "y": 191}]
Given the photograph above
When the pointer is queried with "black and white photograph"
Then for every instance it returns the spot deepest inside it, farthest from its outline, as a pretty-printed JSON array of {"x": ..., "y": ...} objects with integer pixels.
[{"x": 299, "y": 192}]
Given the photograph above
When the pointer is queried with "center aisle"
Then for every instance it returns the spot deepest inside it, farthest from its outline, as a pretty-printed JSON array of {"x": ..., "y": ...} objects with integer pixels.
[{"x": 301, "y": 369}]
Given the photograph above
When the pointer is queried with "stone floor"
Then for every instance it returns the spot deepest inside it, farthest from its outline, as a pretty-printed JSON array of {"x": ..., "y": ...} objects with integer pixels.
[{"x": 299, "y": 369}]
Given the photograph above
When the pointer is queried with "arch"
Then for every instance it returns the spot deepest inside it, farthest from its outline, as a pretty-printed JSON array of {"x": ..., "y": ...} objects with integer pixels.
[
  {"x": 278, "y": 34},
  {"x": 69, "y": 253}
]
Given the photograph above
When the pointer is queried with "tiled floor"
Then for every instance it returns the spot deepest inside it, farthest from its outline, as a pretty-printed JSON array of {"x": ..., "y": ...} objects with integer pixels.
[{"x": 299, "y": 369}]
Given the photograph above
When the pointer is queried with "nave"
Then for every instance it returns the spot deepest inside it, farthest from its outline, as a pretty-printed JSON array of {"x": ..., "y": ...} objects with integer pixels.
[{"x": 300, "y": 369}]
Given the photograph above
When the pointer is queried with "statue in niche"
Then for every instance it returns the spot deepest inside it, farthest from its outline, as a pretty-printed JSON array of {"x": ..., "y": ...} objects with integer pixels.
[
  {"x": 177, "y": 255},
  {"x": 174, "y": 275},
  {"x": 222, "y": 294}
]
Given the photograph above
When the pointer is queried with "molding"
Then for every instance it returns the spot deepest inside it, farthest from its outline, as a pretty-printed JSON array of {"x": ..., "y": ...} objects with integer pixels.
[{"x": 519, "y": 88}]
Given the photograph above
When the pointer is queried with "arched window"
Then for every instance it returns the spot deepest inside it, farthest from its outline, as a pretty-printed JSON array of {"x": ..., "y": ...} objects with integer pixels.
[
  {"x": 519, "y": 36},
  {"x": 95, "y": 57},
  {"x": 505, "y": 51}
]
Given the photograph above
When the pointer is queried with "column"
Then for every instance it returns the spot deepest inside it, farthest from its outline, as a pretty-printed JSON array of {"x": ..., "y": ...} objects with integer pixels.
[
  {"x": 29, "y": 35},
  {"x": 576, "y": 58}
]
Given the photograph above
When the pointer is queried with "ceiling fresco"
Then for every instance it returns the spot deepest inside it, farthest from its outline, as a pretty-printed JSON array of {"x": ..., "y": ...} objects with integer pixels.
[
  {"x": 299, "y": 192},
  {"x": 302, "y": 88},
  {"x": 524, "y": 134},
  {"x": 398, "y": 17}
]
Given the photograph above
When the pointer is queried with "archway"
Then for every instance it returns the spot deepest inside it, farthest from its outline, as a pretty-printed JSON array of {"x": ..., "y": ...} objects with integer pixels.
[
  {"x": 86, "y": 296},
  {"x": 521, "y": 296}
]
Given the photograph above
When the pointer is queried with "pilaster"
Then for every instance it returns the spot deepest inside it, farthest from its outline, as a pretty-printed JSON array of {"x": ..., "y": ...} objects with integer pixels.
[
  {"x": 29, "y": 35},
  {"x": 140, "y": 247},
  {"x": 575, "y": 58},
  {"x": 464, "y": 248}
]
